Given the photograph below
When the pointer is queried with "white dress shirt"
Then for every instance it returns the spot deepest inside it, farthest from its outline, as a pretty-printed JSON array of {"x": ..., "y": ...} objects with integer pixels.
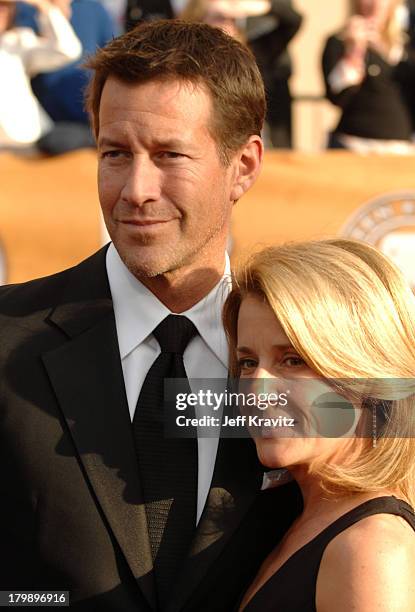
[{"x": 137, "y": 312}]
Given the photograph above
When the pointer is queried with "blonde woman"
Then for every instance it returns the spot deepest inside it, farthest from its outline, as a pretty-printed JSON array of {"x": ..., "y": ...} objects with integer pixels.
[
  {"x": 318, "y": 314},
  {"x": 367, "y": 73}
]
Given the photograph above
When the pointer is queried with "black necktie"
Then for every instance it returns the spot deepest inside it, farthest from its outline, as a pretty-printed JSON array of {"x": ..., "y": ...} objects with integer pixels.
[{"x": 168, "y": 466}]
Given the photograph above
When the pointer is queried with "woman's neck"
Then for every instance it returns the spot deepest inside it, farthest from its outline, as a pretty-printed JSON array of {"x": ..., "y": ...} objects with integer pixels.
[{"x": 319, "y": 502}]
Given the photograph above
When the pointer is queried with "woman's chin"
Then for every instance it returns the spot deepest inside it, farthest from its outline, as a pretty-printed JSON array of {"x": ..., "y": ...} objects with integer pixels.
[{"x": 274, "y": 453}]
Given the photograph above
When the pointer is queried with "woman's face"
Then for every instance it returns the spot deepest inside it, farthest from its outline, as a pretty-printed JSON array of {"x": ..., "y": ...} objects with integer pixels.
[
  {"x": 271, "y": 365},
  {"x": 376, "y": 10}
]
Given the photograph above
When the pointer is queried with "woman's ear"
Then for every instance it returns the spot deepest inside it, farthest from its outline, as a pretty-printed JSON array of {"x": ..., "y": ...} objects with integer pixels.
[{"x": 248, "y": 165}]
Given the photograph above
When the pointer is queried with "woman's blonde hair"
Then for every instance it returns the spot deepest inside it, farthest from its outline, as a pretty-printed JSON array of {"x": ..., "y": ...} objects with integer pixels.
[
  {"x": 393, "y": 33},
  {"x": 350, "y": 314}
]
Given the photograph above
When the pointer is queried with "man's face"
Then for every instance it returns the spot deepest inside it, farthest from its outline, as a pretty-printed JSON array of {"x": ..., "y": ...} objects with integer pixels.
[{"x": 165, "y": 194}]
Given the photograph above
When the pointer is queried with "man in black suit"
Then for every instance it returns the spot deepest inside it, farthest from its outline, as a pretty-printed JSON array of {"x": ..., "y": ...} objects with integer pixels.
[{"x": 177, "y": 111}]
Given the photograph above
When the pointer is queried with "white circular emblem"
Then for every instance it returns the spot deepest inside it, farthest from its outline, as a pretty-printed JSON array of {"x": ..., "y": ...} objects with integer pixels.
[{"x": 388, "y": 222}]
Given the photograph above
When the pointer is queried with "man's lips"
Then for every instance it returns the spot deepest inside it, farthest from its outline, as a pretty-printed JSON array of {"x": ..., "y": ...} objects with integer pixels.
[{"x": 144, "y": 222}]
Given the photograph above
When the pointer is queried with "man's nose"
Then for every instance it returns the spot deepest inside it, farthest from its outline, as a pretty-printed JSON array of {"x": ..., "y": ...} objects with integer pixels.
[{"x": 143, "y": 182}]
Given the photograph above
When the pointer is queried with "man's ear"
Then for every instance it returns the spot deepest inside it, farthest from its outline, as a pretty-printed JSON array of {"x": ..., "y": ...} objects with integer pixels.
[{"x": 248, "y": 163}]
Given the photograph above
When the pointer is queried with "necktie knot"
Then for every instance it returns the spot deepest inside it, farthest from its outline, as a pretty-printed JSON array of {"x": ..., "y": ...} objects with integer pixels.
[{"x": 174, "y": 334}]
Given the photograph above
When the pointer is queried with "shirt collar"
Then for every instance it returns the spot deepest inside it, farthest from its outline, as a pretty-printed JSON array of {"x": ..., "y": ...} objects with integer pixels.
[{"x": 138, "y": 311}]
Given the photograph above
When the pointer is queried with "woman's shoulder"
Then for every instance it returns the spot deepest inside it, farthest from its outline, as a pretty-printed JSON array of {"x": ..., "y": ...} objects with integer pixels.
[{"x": 369, "y": 566}]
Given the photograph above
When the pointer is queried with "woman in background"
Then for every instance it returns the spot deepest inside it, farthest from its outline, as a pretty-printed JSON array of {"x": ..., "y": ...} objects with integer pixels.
[
  {"x": 333, "y": 319},
  {"x": 23, "y": 54},
  {"x": 367, "y": 72}
]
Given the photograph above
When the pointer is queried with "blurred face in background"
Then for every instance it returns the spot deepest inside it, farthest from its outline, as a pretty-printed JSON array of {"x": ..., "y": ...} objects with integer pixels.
[
  {"x": 7, "y": 11},
  {"x": 218, "y": 15},
  {"x": 377, "y": 10}
]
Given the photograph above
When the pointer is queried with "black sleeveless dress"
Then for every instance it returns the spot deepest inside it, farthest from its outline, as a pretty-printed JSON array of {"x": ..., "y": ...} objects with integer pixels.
[{"x": 293, "y": 587}]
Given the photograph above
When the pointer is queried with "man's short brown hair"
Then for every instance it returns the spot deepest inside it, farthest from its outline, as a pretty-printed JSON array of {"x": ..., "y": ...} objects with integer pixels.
[{"x": 191, "y": 52}]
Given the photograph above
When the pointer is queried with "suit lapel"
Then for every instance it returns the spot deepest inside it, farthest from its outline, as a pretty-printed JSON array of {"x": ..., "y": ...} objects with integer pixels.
[
  {"x": 87, "y": 378},
  {"x": 235, "y": 485}
]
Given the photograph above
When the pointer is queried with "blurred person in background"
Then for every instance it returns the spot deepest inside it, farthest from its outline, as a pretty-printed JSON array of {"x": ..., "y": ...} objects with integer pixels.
[
  {"x": 150, "y": 10},
  {"x": 117, "y": 9},
  {"x": 408, "y": 67},
  {"x": 367, "y": 72},
  {"x": 267, "y": 27},
  {"x": 22, "y": 55},
  {"x": 61, "y": 91}
]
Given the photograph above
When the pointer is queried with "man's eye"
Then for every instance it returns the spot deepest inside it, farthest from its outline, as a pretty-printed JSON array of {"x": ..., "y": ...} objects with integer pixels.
[
  {"x": 170, "y": 155},
  {"x": 113, "y": 154}
]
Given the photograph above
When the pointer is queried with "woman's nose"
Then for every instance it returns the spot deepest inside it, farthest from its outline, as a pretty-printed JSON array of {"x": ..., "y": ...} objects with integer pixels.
[{"x": 263, "y": 381}]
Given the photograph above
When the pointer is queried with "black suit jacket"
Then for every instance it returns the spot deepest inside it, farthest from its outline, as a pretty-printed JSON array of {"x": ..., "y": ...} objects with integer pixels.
[{"x": 71, "y": 512}]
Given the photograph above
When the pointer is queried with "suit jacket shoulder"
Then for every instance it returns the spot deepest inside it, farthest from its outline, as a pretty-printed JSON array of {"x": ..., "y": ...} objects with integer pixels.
[{"x": 89, "y": 278}]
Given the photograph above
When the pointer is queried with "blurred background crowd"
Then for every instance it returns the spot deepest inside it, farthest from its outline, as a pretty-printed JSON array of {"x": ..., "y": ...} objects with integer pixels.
[{"x": 365, "y": 70}]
